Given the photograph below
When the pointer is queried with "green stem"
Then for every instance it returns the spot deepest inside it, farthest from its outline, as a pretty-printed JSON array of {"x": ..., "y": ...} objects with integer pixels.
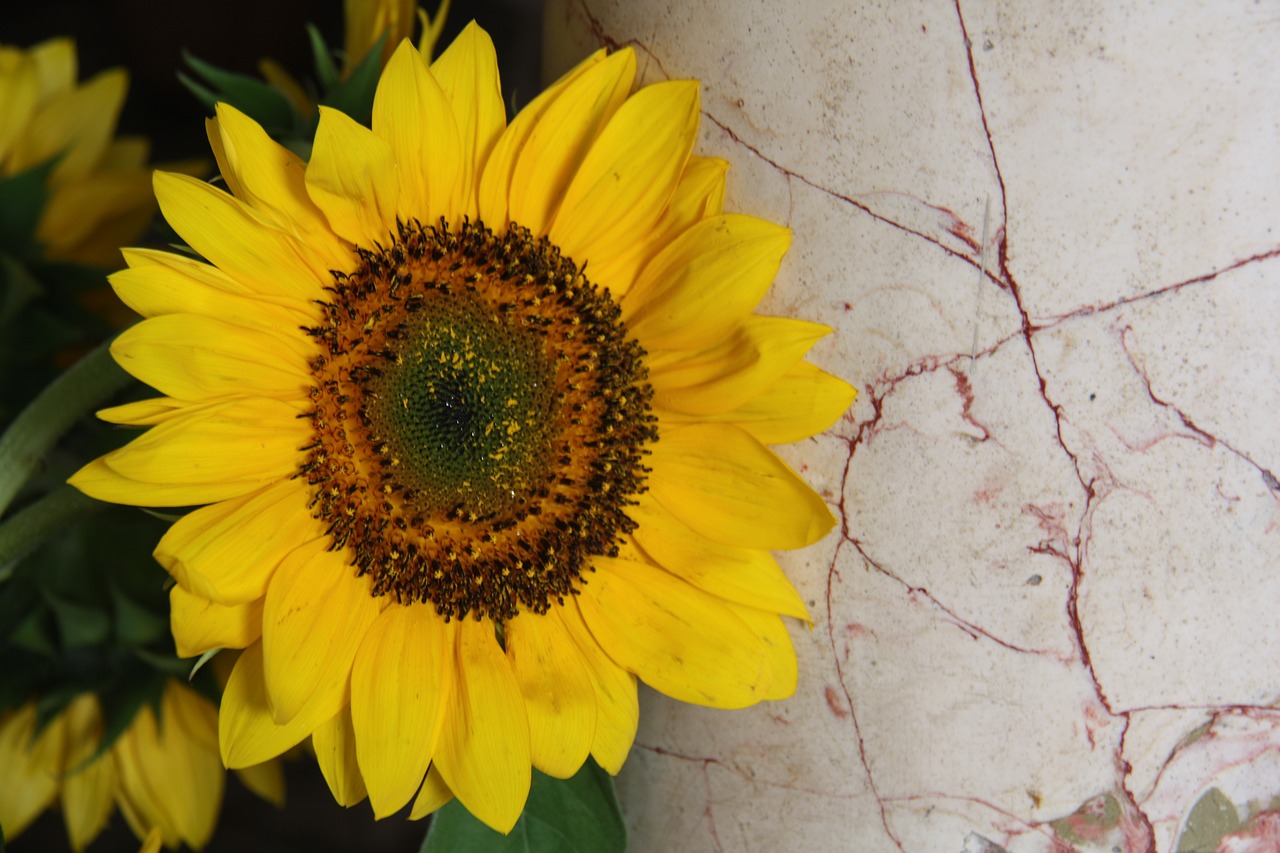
[
  {"x": 89, "y": 383},
  {"x": 33, "y": 525}
]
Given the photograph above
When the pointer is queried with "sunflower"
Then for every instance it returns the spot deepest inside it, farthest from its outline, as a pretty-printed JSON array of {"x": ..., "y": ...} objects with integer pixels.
[
  {"x": 164, "y": 773},
  {"x": 99, "y": 186},
  {"x": 479, "y": 413}
]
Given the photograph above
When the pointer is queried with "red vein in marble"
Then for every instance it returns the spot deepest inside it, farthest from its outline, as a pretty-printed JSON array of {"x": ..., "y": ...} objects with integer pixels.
[
  {"x": 706, "y": 763},
  {"x": 1074, "y": 558},
  {"x": 1204, "y": 278},
  {"x": 833, "y": 575},
  {"x": 862, "y": 206},
  {"x": 1268, "y": 477}
]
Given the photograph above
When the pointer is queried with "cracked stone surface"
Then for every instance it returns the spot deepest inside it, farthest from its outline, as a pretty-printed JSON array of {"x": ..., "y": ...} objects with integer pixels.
[{"x": 1048, "y": 243}]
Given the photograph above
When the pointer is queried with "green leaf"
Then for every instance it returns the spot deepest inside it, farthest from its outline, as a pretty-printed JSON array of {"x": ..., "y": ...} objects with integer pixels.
[
  {"x": 136, "y": 624},
  {"x": 354, "y": 96},
  {"x": 53, "y": 702},
  {"x": 36, "y": 633},
  {"x": 326, "y": 72},
  {"x": 22, "y": 200},
  {"x": 79, "y": 625},
  {"x": 201, "y": 661},
  {"x": 257, "y": 99},
  {"x": 575, "y": 815},
  {"x": 121, "y": 702},
  {"x": 166, "y": 663},
  {"x": 17, "y": 598}
]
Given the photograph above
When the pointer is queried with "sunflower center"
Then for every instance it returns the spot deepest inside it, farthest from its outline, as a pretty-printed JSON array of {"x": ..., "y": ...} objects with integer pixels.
[
  {"x": 480, "y": 418},
  {"x": 468, "y": 406}
]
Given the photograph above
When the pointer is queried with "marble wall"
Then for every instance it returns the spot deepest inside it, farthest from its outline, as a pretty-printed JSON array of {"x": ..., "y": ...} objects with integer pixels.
[{"x": 1047, "y": 237}]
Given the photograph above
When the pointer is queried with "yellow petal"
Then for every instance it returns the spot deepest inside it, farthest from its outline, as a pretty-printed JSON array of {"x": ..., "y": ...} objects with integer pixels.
[
  {"x": 365, "y": 21},
  {"x": 139, "y": 801},
  {"x": 153, "y": 842},
  {"x": 75, "y": 123},
  {"x": 803, "y": 402},
  {"x": 56, "y": 66},
  {"x": 225, "y": 170},
  {"x": 200, "y": 625},
  {"x": 278, "y": 77},
  {"x": 617, "y": 704},
  {"x": 227, "y": 552},
  {"x": 19, "y": 94},
  {"x": 33, "y": 769},
  {"x": 697, "y": 289},
  {"x": 335, "y": 746},
  {"x": 189, "y": 739},
  {"x": 781, "y": 656},
  {"x": 238, "y": 241},
  {"x": 413, "y": 116},
  {"x": 432, "y": 27},
  {"x": 629, "y": 175},
  {"x": 191, "y": 357},
  {"x": 678, "y": 640},
  {"x": 400, "y": 687},
  {"x": 700, "y": 194},
  {"x": 725, "y": 375},
  {"x": 143, "y": 412},
  {"x": 98, "y": 480},
  {"x": 558, "y": 692},
  {"x": 483, "y": 753},
  {"x": 75, "y": 212},
  {"x": 250, "y": 443},
  {"x": 433, "y": 794},
  {"x": 272, "y": 179},
  {"x": 127, "y": 153},
  {"x": 88, "y": 786},
  {"x": 159, "y": 283},
  {"x": 316, "y": 615},
  {"x": 352, "y": 178},
  {"x": 495, "y": 181},
  {"x": 745, "y": 575},
  {"x": 467, "y": 72},
  {"x": 266, "y": 780},
  {"x": 246, "y": 731},
  {"x": 555, "y": 147},
  {"x": 135, "y": 815},
  {"x": 171, "y": 773},
  {"x": 727, "y": 486}
]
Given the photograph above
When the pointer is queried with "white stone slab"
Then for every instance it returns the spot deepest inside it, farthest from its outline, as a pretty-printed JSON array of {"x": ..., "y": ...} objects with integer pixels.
[{"x": 1048, "y": 239}]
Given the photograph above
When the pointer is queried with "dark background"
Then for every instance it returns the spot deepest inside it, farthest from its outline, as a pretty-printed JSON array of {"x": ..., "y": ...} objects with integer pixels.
[{"x": 147, "y": 37}]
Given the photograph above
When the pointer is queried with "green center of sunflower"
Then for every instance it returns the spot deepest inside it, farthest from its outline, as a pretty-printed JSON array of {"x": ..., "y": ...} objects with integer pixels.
[
  {"x": 480, "y": 418},
  {"x": 467, "y": 407}
]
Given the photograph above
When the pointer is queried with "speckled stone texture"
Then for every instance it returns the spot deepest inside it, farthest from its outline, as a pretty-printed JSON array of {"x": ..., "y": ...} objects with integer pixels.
[{"x": 1048, "y": 240}]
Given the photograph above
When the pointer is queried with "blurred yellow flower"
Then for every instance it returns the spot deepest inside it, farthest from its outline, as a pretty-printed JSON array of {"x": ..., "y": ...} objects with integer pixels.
[
  {"x": 367, "y": 20},
  {"x": 164, "y": 774},
  {"x": 100, "y": 188}
]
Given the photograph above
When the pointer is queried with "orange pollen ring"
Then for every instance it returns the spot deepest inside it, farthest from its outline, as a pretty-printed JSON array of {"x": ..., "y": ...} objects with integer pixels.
[{"x": 480, "y": 416}]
